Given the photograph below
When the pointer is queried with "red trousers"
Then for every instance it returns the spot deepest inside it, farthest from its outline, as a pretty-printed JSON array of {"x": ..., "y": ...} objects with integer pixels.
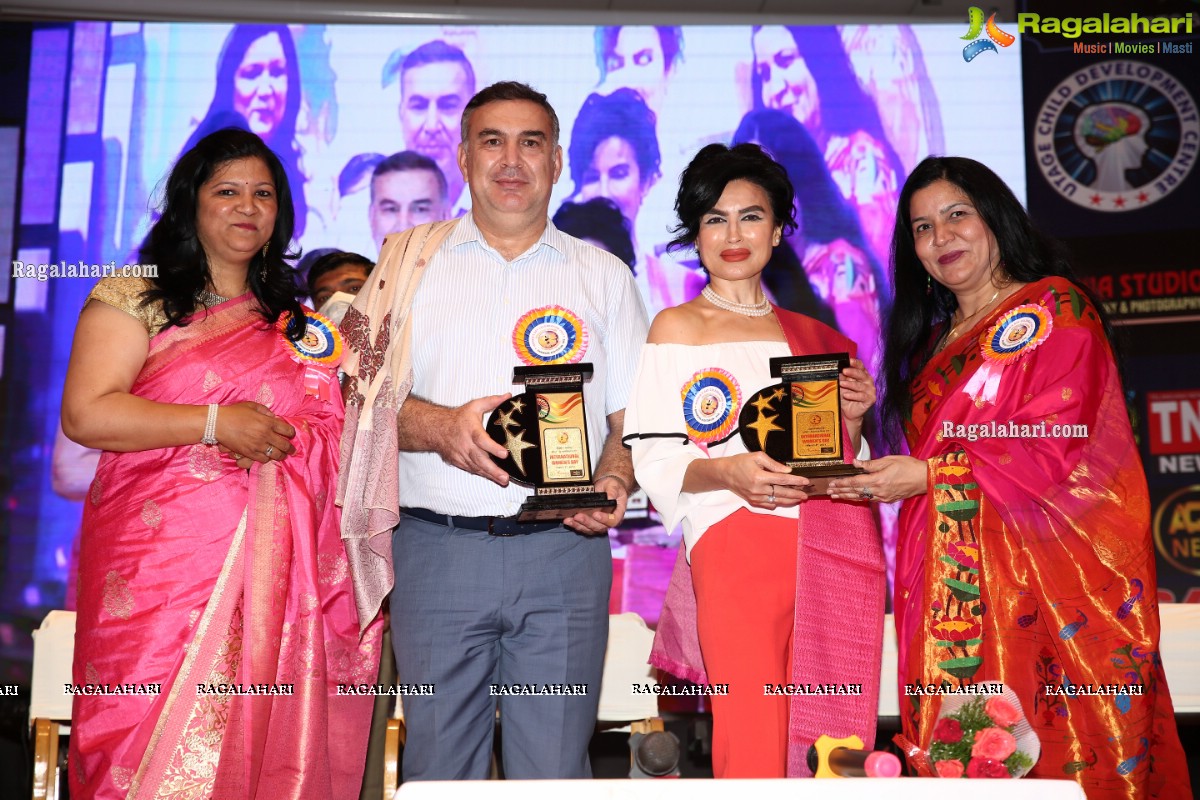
[{"x": 744, "y": 573}]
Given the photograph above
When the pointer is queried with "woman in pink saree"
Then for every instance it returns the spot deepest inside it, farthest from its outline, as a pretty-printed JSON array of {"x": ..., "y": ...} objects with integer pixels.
[
  {"x": 216, "y": 622},
  {"x": 1024, "y": 554}
]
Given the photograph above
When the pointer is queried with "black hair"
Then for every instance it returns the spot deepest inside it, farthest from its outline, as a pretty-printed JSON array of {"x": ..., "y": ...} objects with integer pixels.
[
  {"x": 437, "y": 52},
  {"x": 409, "y": 161},
  {"x": 845, "y": 108},
  {"x": 623, "y": 114},
  {"x": 920, "y": 303},
  {"x": 509, "y": 90},
  {"x": 704, "y": 180},
  {"x": 221, "y": 113},
  {"x": 670, "y": 38},
  {"x": 174, "y": 244},
  {"x": 331, "y": 260},
  {"x": 599, "y": 219}
]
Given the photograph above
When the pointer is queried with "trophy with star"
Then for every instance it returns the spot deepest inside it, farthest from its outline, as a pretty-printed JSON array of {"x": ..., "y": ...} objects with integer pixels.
[
  {"x": 798, "y": 422},
  {"x": 544, "y": 430}
]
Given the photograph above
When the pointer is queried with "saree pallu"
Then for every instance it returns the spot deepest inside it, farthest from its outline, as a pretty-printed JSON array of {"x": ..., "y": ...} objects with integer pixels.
[
  {"x": 195, "y": 574},
  {"x": 1029, "y": 559}
]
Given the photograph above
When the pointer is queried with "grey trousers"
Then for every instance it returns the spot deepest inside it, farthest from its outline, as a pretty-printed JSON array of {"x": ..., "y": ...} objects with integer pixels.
[{"x": 519, "y": 623}]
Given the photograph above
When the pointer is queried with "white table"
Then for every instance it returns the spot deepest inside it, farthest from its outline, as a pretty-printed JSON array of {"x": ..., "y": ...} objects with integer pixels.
[{"x": 830, "y": 789}]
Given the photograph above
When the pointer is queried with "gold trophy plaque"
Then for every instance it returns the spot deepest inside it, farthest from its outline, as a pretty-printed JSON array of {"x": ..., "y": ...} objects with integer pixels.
[
  {"x": 799, "y": 422},
  {"x": 544, "y": 430}
]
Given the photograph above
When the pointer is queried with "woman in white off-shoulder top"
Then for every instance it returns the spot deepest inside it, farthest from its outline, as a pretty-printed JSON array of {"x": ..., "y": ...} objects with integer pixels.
[{"x": 743, "y": 514}]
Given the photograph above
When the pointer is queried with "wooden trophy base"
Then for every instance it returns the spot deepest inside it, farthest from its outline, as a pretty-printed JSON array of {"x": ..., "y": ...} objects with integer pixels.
[
  {"x": 549, "y": 507},
  {"x": 821, "y": 474}
]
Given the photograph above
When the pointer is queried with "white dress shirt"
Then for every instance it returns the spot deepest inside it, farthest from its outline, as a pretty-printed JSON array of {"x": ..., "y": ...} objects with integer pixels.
[{"x": 464, "y": 314}]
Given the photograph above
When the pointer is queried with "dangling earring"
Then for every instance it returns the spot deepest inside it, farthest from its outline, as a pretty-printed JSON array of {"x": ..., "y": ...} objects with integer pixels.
[
  {"x": 928, "y": 284},
  {"x": 264, "y": 266}
]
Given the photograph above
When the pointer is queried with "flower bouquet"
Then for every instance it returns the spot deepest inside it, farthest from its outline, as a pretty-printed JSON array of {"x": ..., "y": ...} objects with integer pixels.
[{"x": 983, "y": 736}]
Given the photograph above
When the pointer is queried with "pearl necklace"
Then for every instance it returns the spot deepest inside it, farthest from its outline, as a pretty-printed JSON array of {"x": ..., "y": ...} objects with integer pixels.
[{"x": 760, "y": 309}]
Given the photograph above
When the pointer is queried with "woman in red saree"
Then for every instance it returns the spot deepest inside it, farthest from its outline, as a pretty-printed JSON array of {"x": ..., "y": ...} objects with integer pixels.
[
  {"x": 1024, "y": 552},
  {"x": 216, "y": 620}
]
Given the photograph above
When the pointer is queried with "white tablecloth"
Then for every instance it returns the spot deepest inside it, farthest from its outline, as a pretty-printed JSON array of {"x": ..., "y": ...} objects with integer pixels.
[{"x": 830, "y": 789}]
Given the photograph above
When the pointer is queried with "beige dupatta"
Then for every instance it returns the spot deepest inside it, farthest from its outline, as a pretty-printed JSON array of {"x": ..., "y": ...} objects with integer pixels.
[{"x": 378, "y": 333}]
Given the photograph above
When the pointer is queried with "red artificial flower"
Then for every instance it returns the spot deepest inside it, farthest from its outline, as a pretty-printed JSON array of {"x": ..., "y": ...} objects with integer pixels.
[
  {"x": 994, "y": 744},
  {"x": 949, "y": 769},
  {"x": 947, "y": 731},
  {"x": 986, "y": 768},
  {"x": 965, "y": 553},
  {"x": 1001, "y": 712},
  {"x": 955, "y": 629}
]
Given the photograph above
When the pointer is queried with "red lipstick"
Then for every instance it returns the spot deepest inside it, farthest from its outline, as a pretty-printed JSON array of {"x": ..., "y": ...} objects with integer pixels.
[
  {"x": 950, "y": 258},
  {"x": 735, "y": 254}
]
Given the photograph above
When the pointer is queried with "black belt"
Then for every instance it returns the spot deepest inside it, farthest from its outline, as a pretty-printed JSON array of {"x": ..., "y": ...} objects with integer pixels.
[{"x": 496, "y": 526}]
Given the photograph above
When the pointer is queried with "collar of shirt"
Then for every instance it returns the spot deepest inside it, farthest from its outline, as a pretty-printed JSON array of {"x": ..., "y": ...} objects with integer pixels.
[{"x": 467, "y": 232}]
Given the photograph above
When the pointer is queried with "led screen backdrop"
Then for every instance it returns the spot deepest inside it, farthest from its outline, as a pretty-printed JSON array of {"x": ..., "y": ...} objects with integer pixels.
[{"x": 848, "y": 110}]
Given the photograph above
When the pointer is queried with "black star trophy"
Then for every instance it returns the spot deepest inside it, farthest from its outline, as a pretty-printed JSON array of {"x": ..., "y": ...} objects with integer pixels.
[
  {"x": 799, "y": 422},
  {"x": 545, "y": 431}
]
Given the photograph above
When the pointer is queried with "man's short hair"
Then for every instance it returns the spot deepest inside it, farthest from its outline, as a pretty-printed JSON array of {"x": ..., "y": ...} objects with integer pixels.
[
  {"x": 330, "y": 261},
  {"x": 409, "y": 161},
  {"x": 436, "y": 52},
  {"x": 509, "y": 90}
]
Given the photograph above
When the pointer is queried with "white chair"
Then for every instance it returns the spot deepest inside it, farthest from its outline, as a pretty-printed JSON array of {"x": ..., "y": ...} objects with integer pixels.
[
  {"x": 629, "y": 643},
  {"x": 49, "y": 703}
]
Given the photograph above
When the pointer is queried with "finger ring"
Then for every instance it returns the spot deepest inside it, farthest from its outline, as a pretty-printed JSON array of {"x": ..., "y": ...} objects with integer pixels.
[
  {"x": 270, "y": 449},
  {"x": 866, "y": 492},
  {"x": 771, "y": 498}
]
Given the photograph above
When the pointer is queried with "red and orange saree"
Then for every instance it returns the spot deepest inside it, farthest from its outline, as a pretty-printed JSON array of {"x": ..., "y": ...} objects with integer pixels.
[
  {"x": 196, "y": 575},
  {"x": 1029, "y": 559}
]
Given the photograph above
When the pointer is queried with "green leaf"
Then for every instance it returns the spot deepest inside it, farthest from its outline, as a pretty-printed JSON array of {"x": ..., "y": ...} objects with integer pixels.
[
  {"x": 963, "y": 592},
  {"x": 1077, "y": 303},
  {"x": 963, "y": 567}
]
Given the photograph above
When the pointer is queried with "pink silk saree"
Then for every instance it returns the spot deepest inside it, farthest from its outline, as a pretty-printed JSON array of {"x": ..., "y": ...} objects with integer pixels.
[
  {"x": 1029, "y": 560},
  {"x": 194, "y": 573}
]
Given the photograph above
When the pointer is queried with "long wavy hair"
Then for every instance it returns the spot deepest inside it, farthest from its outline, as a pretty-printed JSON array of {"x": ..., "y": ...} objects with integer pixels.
[
  {"x": 174, "y": 244},
  {"x": 221, "y": 113},
  {"x": 921, "y": 304}
]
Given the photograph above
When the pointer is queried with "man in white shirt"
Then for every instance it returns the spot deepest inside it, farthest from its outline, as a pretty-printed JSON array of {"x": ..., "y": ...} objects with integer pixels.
[{"x": 482, "y": 603}]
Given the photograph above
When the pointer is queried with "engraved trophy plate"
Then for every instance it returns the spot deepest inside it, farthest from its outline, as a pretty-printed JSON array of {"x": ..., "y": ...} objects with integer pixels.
[
  {"x": 544, "y": 430},
  {"x": 799, "y": 422}
]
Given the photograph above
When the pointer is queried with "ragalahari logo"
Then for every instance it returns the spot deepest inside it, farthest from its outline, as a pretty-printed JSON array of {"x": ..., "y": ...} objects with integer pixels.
[{"x": 994, "y": 34}]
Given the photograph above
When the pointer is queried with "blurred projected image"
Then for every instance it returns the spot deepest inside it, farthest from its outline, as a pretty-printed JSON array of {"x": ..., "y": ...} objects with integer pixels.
[{"x": 366, "y": 123}]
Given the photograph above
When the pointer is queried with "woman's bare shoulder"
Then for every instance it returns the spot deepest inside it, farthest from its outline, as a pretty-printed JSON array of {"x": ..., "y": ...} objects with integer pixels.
[{"x": 682, "y": 324}]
